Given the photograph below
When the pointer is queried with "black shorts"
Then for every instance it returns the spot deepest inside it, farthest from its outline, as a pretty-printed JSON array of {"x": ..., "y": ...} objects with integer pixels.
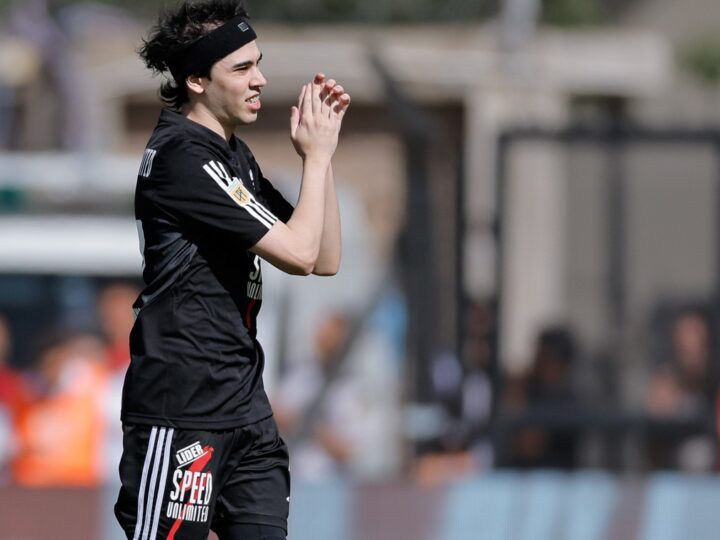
[{"x": 178, "y": 484}]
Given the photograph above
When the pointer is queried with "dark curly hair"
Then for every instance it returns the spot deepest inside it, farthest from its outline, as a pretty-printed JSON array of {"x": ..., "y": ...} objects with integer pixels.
[{"x": 175, "y": 30}]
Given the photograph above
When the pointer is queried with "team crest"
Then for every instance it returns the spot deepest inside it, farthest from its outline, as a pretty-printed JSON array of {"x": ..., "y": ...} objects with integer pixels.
[{"x": 240, "y": 193}]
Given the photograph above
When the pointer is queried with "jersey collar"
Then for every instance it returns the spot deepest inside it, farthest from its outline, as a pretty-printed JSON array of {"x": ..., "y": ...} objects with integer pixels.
[{"x": 197, "y": 131}]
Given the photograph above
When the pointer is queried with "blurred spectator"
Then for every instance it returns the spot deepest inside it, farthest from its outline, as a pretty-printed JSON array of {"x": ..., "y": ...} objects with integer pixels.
[
  {"x": 14, "y": 394},
  {"x": 462, "y": 387},
  {"x": 682, "y": 386},
  {"x": 477, "y": 389},
  {"x": 60, "y": 431},
  {"x": 333, "y": 409},
  {"x": 115, "y": 313},
  {"x": 548, "y": 389},
  {"x": 116, "y": 318}
]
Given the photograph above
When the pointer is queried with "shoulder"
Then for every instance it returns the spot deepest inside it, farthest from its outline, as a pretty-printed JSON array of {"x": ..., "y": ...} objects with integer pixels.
[{"x": 178, "y": 154}]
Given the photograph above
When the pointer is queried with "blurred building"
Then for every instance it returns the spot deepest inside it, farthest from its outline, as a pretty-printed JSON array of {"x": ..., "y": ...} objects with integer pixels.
[
  {"x": 491, "y": 189},
  {"x": 429, "y": 105}
]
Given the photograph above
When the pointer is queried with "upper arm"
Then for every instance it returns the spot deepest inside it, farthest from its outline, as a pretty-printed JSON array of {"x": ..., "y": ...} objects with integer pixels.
[{"x": 199, "y": 191}]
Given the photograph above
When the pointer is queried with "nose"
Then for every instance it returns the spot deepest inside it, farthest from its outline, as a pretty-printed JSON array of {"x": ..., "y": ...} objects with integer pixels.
[{"x": 259, "y": 80}]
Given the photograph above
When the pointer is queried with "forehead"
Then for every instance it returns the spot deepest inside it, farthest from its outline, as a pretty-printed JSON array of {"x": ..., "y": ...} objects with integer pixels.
[{"x": 247, "y": 53}]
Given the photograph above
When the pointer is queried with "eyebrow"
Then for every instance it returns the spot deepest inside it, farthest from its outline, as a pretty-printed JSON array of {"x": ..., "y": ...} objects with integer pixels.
[{"x": 247, "y": 63}]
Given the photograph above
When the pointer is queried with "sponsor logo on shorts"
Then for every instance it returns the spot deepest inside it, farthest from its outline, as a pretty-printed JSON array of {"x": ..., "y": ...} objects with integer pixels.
[
  {"x": 189, "y": 454},
  {"x": 192, "y": 488},
  {"x": 191, "y": 495}
]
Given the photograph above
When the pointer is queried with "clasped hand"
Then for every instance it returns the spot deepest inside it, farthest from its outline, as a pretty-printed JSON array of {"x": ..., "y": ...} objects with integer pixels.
[{"x": 316, "y": 119}]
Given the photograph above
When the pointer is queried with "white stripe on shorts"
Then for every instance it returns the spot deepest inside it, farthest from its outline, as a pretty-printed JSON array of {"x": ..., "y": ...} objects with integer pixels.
[
  {"x": 143, "y": 481},
  {"x": 163, "y": 478},
  {"x": 148, "y": 512}
]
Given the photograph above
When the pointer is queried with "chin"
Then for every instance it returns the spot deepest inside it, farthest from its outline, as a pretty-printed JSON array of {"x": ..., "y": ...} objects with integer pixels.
[{"x": 247, "y": 119}]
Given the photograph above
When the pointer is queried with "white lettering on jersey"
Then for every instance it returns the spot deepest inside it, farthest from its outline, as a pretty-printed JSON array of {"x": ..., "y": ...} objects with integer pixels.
[
  {"x": 239, "y": 193},
  {"x": 141, "y": 239},
  {"x": 147, "y": 162},
  {"x": 254, "y": 284}
]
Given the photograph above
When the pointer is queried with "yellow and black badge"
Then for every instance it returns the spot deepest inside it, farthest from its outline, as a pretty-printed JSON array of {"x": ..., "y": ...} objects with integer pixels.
[{"x": 240, "y": 193}]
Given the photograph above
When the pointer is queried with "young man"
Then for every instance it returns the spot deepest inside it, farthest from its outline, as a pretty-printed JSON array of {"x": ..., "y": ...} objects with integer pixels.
[{"x": 200, "y": 447}]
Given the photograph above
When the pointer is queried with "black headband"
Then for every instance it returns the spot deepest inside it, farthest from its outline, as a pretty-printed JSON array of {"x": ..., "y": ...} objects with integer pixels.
[{"x": 203, "y": 53}]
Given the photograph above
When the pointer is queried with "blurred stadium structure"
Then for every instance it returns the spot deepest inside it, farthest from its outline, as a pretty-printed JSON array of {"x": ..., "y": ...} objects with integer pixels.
[{"x": 531, "y": 208}]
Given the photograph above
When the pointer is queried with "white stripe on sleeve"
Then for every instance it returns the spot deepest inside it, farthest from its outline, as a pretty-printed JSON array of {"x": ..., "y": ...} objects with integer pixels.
[{"x": 253, "y": 211}]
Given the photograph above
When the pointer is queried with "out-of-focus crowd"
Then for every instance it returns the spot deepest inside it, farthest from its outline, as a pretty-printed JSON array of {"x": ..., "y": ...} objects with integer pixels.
[
  {"x": 60, "y": 420},
  {"x": 60, "y": 417},
  {"x": 679, "y": 386},
  {"x": 341, "y": 410}
]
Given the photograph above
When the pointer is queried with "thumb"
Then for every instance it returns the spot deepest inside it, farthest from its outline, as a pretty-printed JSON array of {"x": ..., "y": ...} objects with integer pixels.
[{"x": 294, "y": 119}]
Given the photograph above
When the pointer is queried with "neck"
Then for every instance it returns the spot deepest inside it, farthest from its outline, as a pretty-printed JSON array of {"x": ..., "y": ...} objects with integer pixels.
[{"x": 197, "y": 113}]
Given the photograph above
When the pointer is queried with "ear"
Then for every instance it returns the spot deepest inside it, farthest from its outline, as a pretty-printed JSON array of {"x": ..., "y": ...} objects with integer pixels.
[{"x": 195, "y": 84}]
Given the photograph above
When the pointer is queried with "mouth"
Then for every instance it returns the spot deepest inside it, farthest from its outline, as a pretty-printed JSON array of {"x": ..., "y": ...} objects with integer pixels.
[{"x": 253, "y": 100}]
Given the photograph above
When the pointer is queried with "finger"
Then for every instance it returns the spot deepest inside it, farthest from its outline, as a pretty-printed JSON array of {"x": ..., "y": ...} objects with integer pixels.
[
  {"x": 307, "y": 104},
  {"x": 302, "y": 96},
  {"x": 294, "y": 119},
  {"x": 327, "y": 89},
  {"x": 343, "y": 100},
  {"x": 315, "y": 98},
  {"x": 334, "y": 96},
  {"x": 342, "y": 105},
  {"x": 319, "y": 78}
]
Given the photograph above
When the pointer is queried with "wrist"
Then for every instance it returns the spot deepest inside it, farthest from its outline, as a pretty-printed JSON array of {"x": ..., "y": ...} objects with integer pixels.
[{"x": 316, "y": 160}]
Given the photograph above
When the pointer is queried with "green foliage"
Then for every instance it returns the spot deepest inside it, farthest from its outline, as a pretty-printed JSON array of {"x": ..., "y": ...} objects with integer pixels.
[
  {"x": 371, "y": 10},
  {"x": 574, "y": 12},
  {"x": 322, "y": 10},
  {"x": 701, "y": 58}
]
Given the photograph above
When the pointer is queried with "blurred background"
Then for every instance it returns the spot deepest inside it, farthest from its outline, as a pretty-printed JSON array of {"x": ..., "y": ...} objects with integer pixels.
[{"x": 523, "y": 342}]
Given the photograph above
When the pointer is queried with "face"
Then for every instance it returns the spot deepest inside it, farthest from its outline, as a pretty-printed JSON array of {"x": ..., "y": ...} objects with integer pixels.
[{"x": 232, "y": 93}]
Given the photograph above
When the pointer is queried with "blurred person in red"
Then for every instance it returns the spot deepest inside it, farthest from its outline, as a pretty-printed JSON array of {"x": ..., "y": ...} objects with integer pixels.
[
  {"x": 60, "y": 431},
  {"x": 682, "y": 386},
  {"x": 14, "y": 394},
  {"x": 116, "y": 318}
]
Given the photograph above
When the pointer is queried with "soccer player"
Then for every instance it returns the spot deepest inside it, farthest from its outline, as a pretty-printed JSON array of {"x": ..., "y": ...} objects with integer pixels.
[{"x": 200, "y": 446}]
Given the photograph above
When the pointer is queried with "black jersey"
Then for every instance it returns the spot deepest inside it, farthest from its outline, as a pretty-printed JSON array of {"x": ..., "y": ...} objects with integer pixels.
[{"x": 201, "y": 202}]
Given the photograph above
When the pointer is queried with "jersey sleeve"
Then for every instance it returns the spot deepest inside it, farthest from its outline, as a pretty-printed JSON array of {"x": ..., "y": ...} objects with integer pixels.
[{"x": 196, "y": 188}]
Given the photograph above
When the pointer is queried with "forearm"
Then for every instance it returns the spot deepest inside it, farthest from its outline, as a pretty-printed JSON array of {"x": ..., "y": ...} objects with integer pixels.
[
  {"x": 294, "y": 247},
  {"x": 308, "y": 218},
  {"x": 328, "y": 260},
  {"x": 310, "y": 241}
]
